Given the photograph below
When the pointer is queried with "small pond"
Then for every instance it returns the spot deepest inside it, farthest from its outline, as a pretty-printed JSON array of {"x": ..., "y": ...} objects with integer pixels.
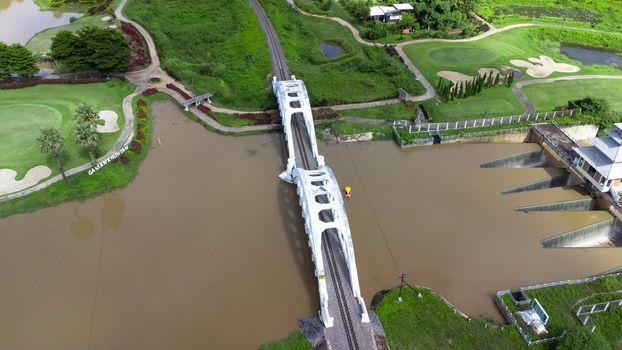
[
  {"x": 331, "y": 50},
  {"x": 592, "y": 55},
  {"x": 20, "y": 20}
]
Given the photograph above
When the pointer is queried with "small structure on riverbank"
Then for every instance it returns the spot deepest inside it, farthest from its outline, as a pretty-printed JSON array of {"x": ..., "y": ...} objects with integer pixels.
[{"x": 601, "y": 163}]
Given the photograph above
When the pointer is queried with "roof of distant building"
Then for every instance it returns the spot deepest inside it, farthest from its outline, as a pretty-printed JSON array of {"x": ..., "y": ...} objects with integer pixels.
[
  {"x": 381, "y": 10},
  {"x": 404, "y": 7}
]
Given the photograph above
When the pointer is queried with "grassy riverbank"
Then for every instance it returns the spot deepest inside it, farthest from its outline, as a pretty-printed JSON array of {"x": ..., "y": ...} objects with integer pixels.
[
  {"x": 214, "y": 46},
  {"x": 361, "y": 73},
  {"x": 427, "y": 322},
  {"x": 561, "y": 303},
  {"x": 82, "y": 186},
  {"x": 23, "y": 112},
  {"x": 600, "y": 14},
  {"x": 295, "y": 341}
]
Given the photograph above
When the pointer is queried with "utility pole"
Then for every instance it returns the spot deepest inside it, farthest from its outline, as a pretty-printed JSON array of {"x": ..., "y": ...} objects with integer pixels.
[{"x": 399, "y": 297}]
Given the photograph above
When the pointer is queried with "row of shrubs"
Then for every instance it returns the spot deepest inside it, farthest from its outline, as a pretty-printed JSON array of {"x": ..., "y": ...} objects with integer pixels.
[
  {"x": 138, "y": 48},
  {"x": 29, "y": 83},
  {"x": 137, "y": 144}
]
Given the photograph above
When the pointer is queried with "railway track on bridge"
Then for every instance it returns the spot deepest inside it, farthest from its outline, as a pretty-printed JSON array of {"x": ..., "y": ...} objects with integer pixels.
[
  {"x": 303, "y": 150},
  {"x": 348, "y": 325}
]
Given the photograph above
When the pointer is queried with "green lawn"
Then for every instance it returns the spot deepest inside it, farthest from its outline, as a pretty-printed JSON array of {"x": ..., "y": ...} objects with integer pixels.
[
  {"x": 600, "y": 14},
  {"x": 546, "y": 97},
  {"x": 82, "y": 186},
  {"x": 558, "y": 302},
  {"x": 295, "y": 341},
  {"x": 361, "y": 74},
  {"x": 23, "y": 112},
  {"x": 493, "y": 102},
  {"x": 214, "y": 46},
  {"x": 40, "y": 43},
  {"x": 428, "y": 323},
  {"x": 497, "y": 50},
  {"x": 393, "y": 111}
]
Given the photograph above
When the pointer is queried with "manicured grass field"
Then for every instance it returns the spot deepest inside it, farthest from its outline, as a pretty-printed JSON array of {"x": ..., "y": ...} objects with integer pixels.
[
  {"x": 600, "y": 14},
  {"x": 23, "y": 112},
  {"x": 361, "y": 74},
  {"x": 497, "y": 50},
  {"x": 213, "y": 46},
  {"x": 546, "y": 97},
  {"x": 82, "y": 186},
  {"x": 41, "y": 42},
  {"x": 494, "y": 102}
]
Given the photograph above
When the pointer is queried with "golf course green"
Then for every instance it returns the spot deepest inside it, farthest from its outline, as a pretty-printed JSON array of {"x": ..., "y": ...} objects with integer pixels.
[{"x": 24, "y": 112}]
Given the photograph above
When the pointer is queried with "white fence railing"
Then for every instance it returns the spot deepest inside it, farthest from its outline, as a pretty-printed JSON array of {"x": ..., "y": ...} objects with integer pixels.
[{"x": 477, "y": 123}]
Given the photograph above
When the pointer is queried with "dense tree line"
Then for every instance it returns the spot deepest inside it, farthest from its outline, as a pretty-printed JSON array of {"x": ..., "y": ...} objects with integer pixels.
[
  {"x": 16, "y": 60},
  {"x": 91, "y": 49},
  {"x": 448, "y": 90},
  {"x": 436, "y": 17}
]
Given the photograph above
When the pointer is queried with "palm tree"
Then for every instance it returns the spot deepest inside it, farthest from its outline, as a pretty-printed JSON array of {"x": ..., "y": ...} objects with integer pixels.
[
  {"x": 87, "y": 138},
  {"x": 85, "y": 114},
  {"x": 51, "y": 142}
]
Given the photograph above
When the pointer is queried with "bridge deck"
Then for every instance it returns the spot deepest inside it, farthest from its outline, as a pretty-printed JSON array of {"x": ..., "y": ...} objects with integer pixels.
[
  {"x": 347, "y": 332},
  {"x": 302, "y": 145}
]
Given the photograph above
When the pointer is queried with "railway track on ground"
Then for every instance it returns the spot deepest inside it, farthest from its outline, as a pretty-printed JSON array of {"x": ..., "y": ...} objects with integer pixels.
[{"x": 280, "y": 69}]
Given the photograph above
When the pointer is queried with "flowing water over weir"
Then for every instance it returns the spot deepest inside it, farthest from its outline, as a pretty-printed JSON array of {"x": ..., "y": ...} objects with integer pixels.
[{"x": 196, "y": 252}]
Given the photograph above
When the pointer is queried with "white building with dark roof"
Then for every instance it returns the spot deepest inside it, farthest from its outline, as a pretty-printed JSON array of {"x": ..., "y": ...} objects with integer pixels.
[
  {"x": 389, "y": 14},
  {"x": 601, "y": 163}
]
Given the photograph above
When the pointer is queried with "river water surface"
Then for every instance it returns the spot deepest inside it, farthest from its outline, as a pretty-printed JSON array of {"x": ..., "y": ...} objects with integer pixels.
[
  {"x": 206, "y": 250},
  {"x": 21, "y": 19}
]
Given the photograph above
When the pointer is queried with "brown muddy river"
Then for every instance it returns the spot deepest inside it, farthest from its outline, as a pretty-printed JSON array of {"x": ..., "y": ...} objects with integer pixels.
[{"x": 205, "y": 250}]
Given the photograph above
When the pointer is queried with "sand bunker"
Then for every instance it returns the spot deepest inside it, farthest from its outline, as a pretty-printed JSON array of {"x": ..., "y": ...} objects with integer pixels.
[
  {"x": 110, "y": 119},
  {"x": 106, "y": 18},
  {"x": 457, "y": 77},
  {"x": 8, "y": 184},
  {"x": 544, "y": 66}
]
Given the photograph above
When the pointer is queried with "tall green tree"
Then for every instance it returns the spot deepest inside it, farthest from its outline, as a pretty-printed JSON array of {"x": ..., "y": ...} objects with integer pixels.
[
  {"x": 22, "y": 61},
  {"x": 91, "y": 48},
  {"x": 87, "y": 139},
  {"x": 16, "y": 59},
  {"x": 52, "y": 143}
]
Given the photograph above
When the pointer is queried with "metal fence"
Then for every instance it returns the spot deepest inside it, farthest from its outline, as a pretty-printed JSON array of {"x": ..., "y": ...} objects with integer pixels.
[
  {"x": 509, "y": 316},
  {"x": 477, "y": 123},
  {"x": 584, "y": 312}
]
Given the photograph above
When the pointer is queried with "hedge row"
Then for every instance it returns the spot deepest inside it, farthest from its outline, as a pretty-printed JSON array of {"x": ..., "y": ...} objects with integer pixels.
[{"x": 24, "y": 84}]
